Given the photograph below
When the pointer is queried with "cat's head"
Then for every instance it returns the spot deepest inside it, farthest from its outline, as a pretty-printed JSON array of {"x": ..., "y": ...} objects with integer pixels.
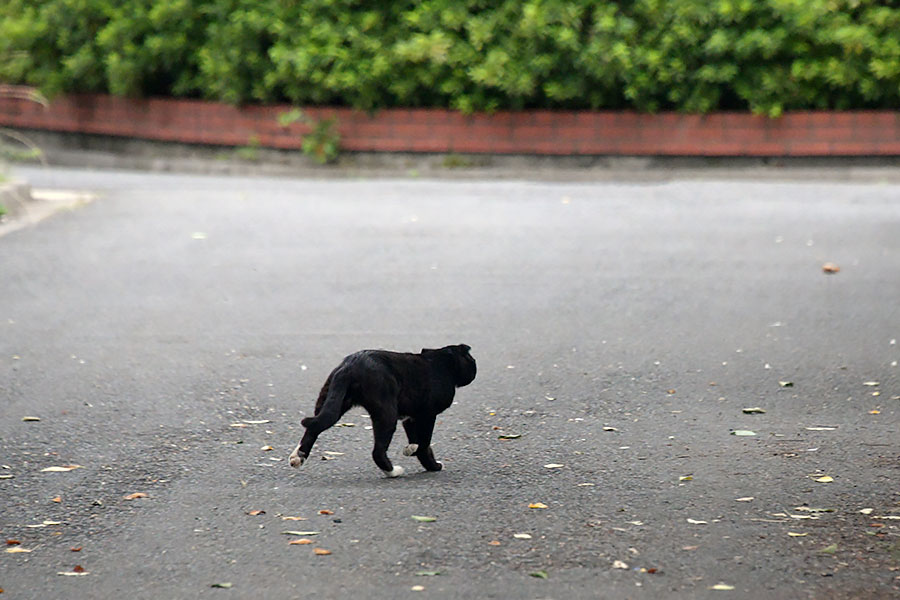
[{"x": 461, "y": 362}]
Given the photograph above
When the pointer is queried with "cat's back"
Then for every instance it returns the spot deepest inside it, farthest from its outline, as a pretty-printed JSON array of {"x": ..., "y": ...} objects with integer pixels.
[{"x": 397, "y": 362}]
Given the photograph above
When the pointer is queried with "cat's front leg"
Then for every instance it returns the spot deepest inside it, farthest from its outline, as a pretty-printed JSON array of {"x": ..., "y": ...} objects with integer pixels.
[{"x": 424, "y": 427}]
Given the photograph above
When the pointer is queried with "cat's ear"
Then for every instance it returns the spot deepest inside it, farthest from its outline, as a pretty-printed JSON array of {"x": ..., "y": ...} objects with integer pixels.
[{"x": 464, "y": 347}]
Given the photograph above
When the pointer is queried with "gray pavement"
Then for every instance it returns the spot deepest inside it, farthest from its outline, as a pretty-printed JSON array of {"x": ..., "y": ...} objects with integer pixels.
[{"x": 620, "y": 329}]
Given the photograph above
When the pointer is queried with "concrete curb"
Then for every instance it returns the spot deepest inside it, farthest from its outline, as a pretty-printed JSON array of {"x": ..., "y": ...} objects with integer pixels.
[
  {"x": 107, "y": 152},
  {"x": 14, "y": 195}
]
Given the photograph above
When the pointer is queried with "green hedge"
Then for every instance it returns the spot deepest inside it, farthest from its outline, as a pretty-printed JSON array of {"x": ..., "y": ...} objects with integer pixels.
[{"x": 688, "y": 55}]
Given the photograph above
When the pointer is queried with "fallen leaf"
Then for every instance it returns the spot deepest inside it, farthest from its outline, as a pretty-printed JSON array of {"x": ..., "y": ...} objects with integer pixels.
[
  {"x": 267, "y": 448},
  {"x": 830, "y": 268},
  {"x": 696, "y": 522},
  {"x": 6, "y": 476},
  {"x": 792, "y": 534},
  {"x": 321, "y": 552},
  {"x": 824, "y": 479},
  {"x": 686, "y": 478},
  {"x": 722, "y": 587},
  {"x": 610, "y": 429},
  {"x": 13, "y": 542},
  {"x": 521, "y": 536},
  {"x": 45, "y": 523},
  {"x": 417, "y": 588},
  {"x": 887, "y": 517},
  {"x": 31, "y": 419},
  {"x": 239, "y": 425},
  {"x": 346, "y": 425},
  {"x": 293, "y": 518},
  {"x": 744, "y": 499},
  {"x": 17, "y": 550},
  {"x": 135, "y": 496},
  {"x": 75, "y": 549},
  {"x": 875, "y": 412},
  {"x": 224, "y": 586},
  {"x": 496, "y": 542},
  {"x": 538, "y": 505},
  {"x": 509, "y": 436},
  {"x": 58, "y": 499},
  {"x": 813, "y": 510},
  {"x": 753, "y": 411},
  {"x": 253, "y": 513},
  {"x": 325, "y": 511},
  {"x": 743, "y": 432},
  {"x": 64, "y": 469},
  {"x": 73, "y": 573},
  {"x": 871, "y": 383},
  {"x": 539, "y": 574},
  {"x": 689, "y": 547},
  {"x": 300, "y": 542},
  {"x": 867, "y": 511},
  {"x": 300, "y": 533},
  {"x": 618, "y": 564},
  {"x": 333, "y": 453},
  {"x": 422, "y": 519},
  {"x": 832, "y": 549},
  {"x": 259, "y": 422},
  {"x": 78, "y": 569},
  {"x": 786, "y": 384},
  {"x": 821, "y": 428},
  {"x": 427, "y": 573},
  {"x": 554, "y": 466}
]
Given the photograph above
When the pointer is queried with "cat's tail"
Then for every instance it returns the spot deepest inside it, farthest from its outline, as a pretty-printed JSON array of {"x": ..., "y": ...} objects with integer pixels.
[{"x": 332, "y": 408}]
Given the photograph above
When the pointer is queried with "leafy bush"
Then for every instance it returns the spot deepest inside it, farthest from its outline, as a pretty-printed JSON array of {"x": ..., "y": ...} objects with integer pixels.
[{"x": 766, "y": 56}]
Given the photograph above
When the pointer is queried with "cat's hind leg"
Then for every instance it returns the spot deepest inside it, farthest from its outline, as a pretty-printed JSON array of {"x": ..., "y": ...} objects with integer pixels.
[
  {"x": 333, "y": 402},
  {"x": 383, "y": 429},
  {"x": 410, "y": 427}
]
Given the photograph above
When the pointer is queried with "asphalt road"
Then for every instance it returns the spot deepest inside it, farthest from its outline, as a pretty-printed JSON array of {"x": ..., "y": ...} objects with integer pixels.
[{"x": 620, "y": 331}]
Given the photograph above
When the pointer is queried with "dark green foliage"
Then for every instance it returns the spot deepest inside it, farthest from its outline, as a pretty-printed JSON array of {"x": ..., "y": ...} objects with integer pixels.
[{"x": 766, "y": 56}]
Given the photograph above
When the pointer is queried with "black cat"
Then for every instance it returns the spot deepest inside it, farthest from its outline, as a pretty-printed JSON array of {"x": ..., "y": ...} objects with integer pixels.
[{"x": 391, "y": 386}]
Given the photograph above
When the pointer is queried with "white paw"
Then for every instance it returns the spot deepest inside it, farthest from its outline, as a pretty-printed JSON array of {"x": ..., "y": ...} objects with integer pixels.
[
  {"x": 440, "y": 463},
  {"x": 397, "y": 471},
  {"x": 296, "y": 459},
  {"x": 410, "y": 449}
]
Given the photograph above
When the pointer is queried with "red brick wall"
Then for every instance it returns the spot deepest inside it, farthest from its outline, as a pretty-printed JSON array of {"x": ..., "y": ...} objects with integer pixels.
[{"x": 429, "y": 130}]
